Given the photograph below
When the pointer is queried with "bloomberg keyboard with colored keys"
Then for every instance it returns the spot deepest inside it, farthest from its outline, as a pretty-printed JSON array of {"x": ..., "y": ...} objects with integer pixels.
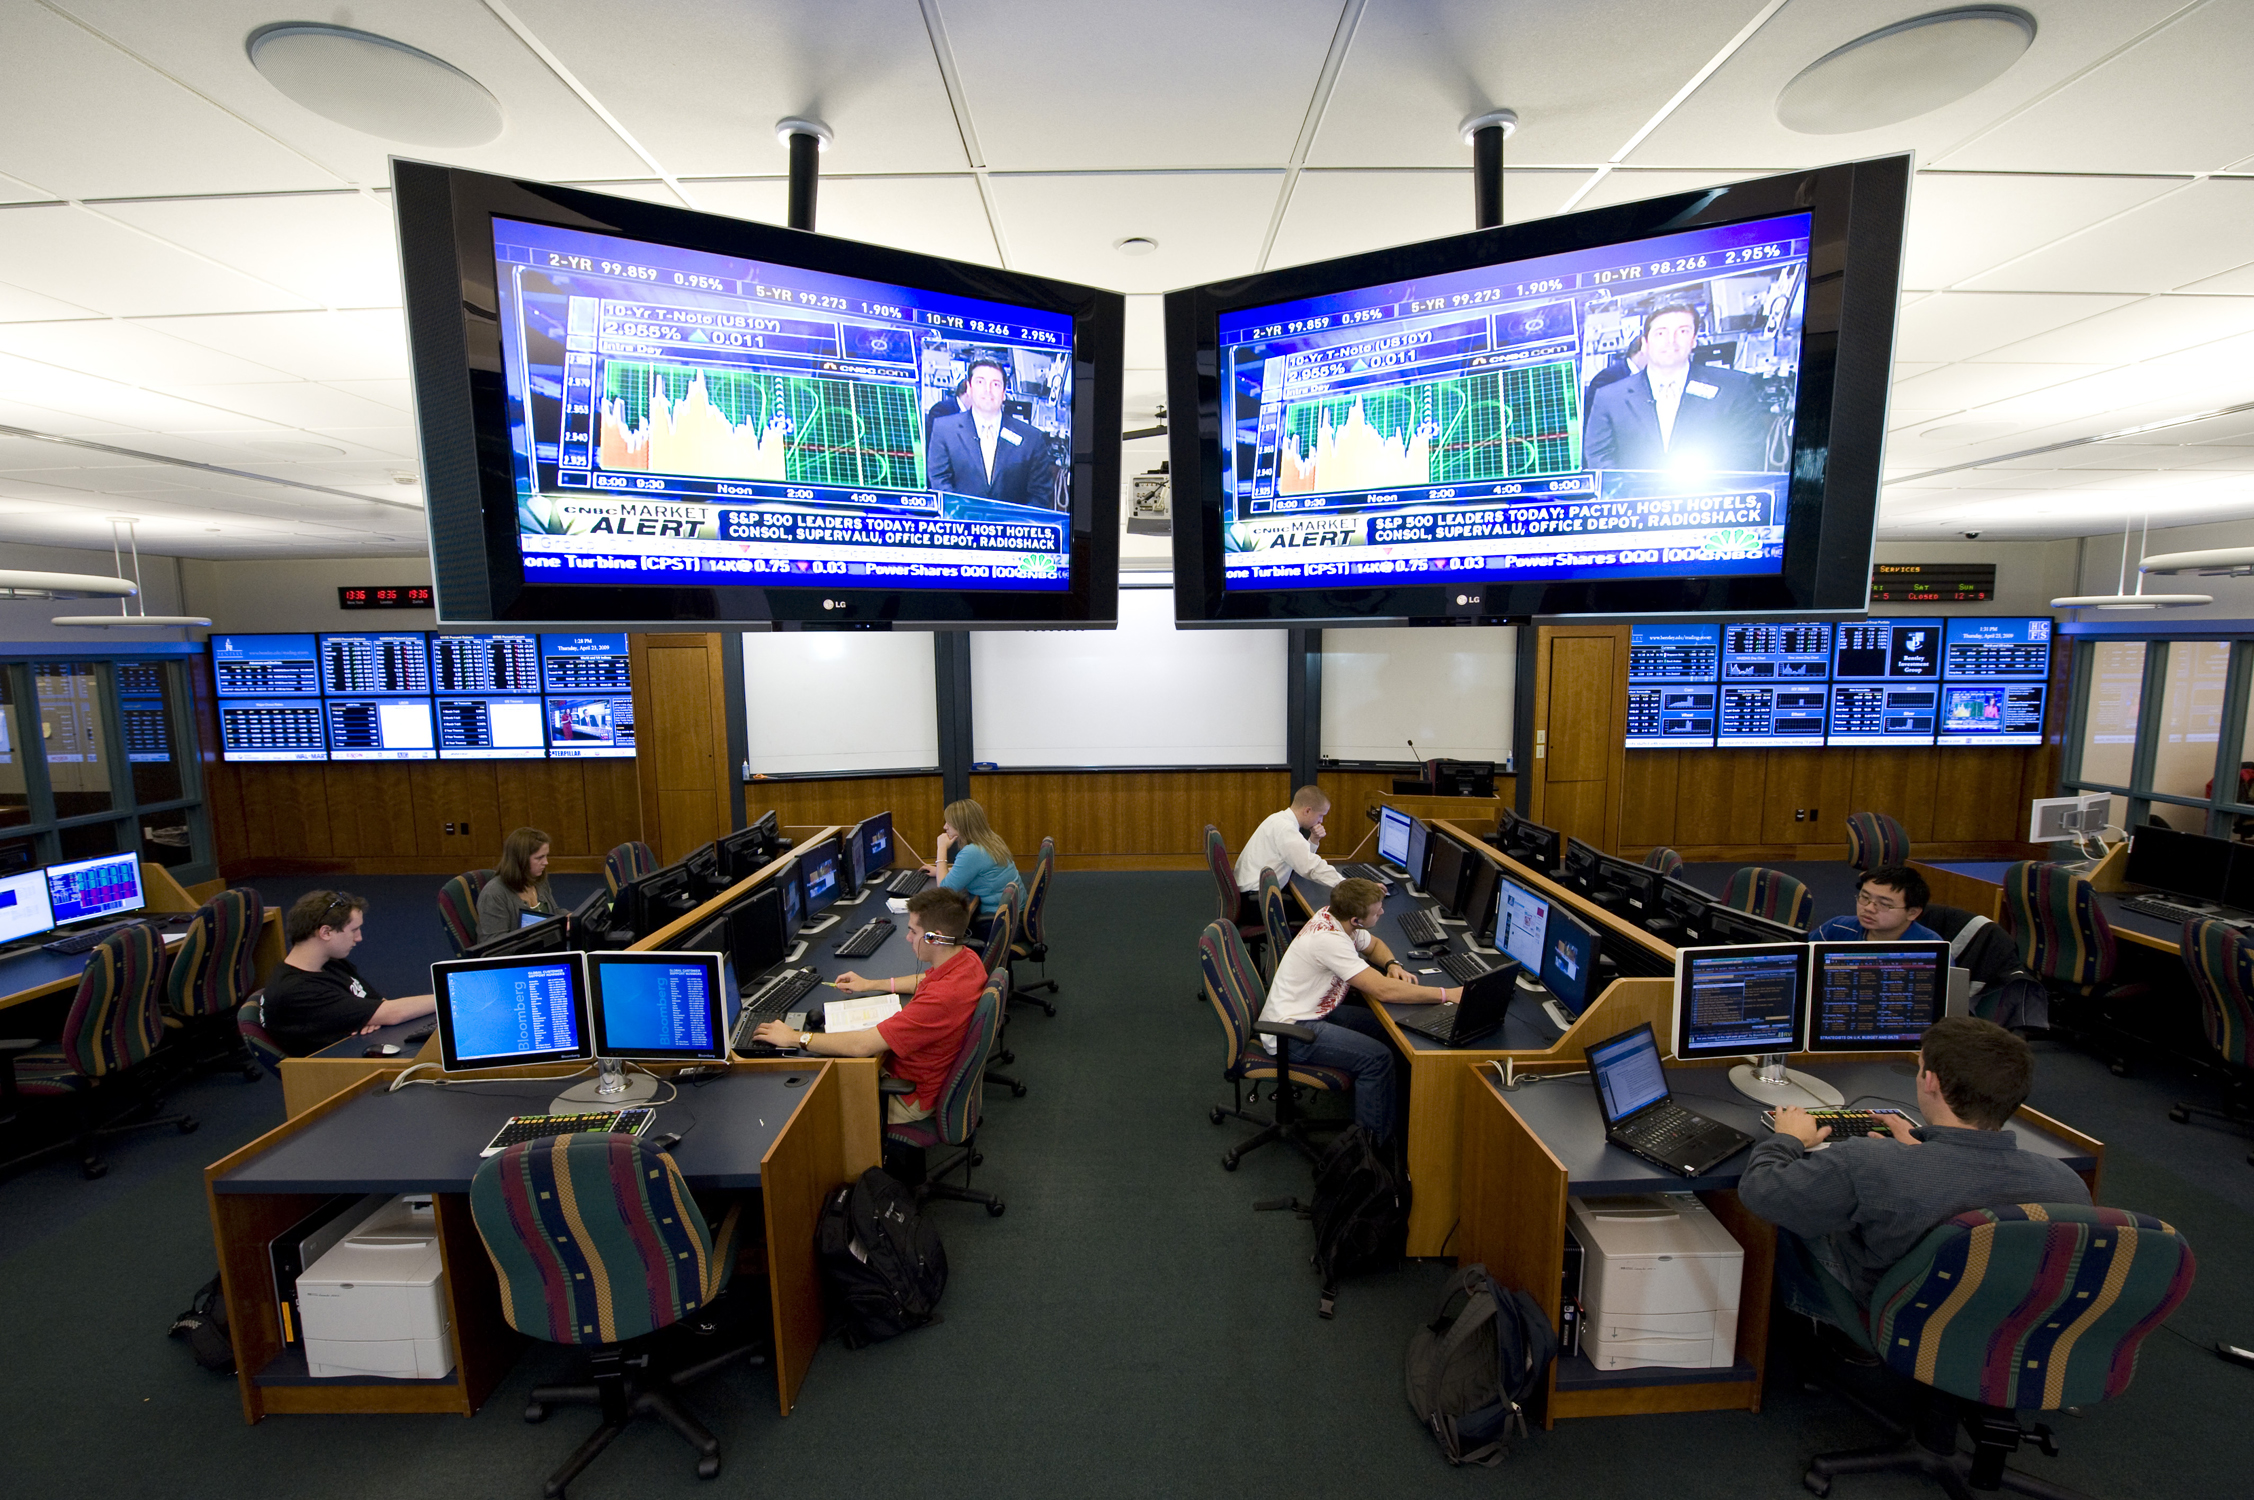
[
  {"x": 520, "y": 1128},
  {"x": 1848, "y": 1122},
  {"x": 865, "y": 939}
]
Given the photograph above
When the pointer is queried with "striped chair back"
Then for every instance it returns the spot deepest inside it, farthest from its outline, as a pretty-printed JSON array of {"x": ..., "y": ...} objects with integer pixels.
[
  {"x": 962, "y": 1098},
  {"x": 2054, "y": 916},
  {"x": 1275, "y": 915},
  {"x": 116, "y": 1018},
  {"x": 457, "y": 908},
  {"x": 1663, "y": 859},
  {"x": 212, "y": 969},
  {"x": 1874, "y": 839},
  {"x": 594, "y": 1238},
  {"x": 1032, "y": 930},
  {"x": 250, "y": 1020},
  {"x": 2221, "y": 962},
  {"x": 1233, "y": 986},
  {"x": 629, "y": 861},
  {"x": 1224, "y": 874},
  {"x": 1001, "y": 932},
  {"x": 2032, "y": 1307},
  {"x": 1772, "y": 894}
]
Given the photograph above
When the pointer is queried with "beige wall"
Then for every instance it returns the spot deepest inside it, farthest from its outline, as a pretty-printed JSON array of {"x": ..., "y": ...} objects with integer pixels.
[
  {"x": 299, "y": 594},
  {"x": 26, "y": 619}
]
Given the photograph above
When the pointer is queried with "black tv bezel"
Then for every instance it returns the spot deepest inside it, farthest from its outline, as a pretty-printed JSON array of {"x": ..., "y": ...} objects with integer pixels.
[
  {"x": 1858, "y": 213},
  {"x": 461, "y": 416}
]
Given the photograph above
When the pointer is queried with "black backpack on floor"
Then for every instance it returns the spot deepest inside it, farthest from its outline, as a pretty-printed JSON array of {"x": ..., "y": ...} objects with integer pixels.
[
  {"x": 1475, "y": 1365},
  {"x": 1361, "y": 1212},
  {"x": 204, "y": 1326},
  {"x": 882, "y": 1266}
]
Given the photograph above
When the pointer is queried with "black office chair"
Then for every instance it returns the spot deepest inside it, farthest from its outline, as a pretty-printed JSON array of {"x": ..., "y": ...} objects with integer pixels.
[
  {"x": 953, "y": 1121},
  {"x": 1032, "y": 942},
  {"x": 1000, "y": 933}
]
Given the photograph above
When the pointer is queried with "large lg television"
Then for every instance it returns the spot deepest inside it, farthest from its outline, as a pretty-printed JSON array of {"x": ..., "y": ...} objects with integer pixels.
[
  {"x": 632, "y": 412},
  {"x": 1470, "y": 427}
]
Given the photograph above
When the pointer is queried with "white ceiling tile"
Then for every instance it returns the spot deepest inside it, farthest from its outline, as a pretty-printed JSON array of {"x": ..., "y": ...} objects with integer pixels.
[
  {"x": 2140, "y": 330},
  {"x": 647, "y": 190},
  {"x": 1090, "y": 84},
  {"x": 106, "y": 400},
  {"x": 1335, "y": 213},
  {"x": 396, "y": 394},
  {"x": 2182, "y": 86},
  {"x": 942, "y": 216},
  {"x": 333, "y": 249},
  {"x": 2196, "y": 231},
  {"x": 80, "y": 257},
  {"x": 2238, "y": 283},
  {"x": 134, "y": 353},
  {"x": 1962, "y": 224},
  {"x": 292, "y": 403},
  {"x": 1624, "y": 186},
  {"x": 12, "y": 191},
  {"x": 368, "y": 345},
  {"x": 21, "y": 305},
  {"x": 1965, "y": 384},
  {"x": 765, "y": 199},
  {"x": 1146, "y": 332},
  {"x": 865, "y": 69},
  {"x": 548, "y": 134},
  {"x": 1208, "y": 225},
  {"x": 42, "y": 417},
  {"x": 1416, "y": 71},
  {"x": 1733, "y": 116},
  {"x": 1961, "y": 325}
]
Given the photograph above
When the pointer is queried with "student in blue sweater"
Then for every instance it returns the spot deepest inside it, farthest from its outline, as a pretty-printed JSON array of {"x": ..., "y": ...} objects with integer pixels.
[
  {"x": 970, "y": 857},
  {"x": 1888, "y": 902}
]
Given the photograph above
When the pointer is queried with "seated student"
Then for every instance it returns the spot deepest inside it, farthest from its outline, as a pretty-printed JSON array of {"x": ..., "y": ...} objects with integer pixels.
[
  {"x": 519, "y": 887},
  {"x": 1847, "y": 1213},
  {"x": 1285, "y": 843},
  {"x": 970, "y": 857},
  {"x": 1888, "y": 902},
  {"x": 315, "y": 997},
  {"x": 927, "y": 1033},
  {"x": 1336, "y": 951}
]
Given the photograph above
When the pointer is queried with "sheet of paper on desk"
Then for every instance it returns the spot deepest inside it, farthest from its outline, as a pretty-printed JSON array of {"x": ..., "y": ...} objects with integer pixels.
[{"x": 859, "y": 1015}]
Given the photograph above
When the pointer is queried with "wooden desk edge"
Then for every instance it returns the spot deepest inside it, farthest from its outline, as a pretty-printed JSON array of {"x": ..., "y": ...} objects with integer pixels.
[{"x": 805, "y": 1162}]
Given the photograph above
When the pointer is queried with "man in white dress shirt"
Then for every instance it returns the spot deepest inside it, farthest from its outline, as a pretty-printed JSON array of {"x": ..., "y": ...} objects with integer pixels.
[
  {"x": 982, "y": 451},
  {"x": 1673, "y": 415},
  {"x": 1285, "y": 843}
]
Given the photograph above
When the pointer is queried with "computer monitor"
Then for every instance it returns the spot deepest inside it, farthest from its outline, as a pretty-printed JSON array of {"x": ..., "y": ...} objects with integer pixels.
[
  {"x": 1447, "y": 875},
  {"x": 1533, "y": 845},
  {"x": 1627, "y": 887},
  {"x": 821, "y": 876},
  {"x": 2184, "y": 864},
  {"x": 1393, "y": 827},
  {"x": 1420, "y": 853},
  {"x": 741, "y": 853},
  {"x": 541, "y": 935},
  {"x": 660, "y": 1007},
  {"x": 1522, "y": 923},
  {"x": 25, "y": 911},
  {"x": 768, "y": 825},
  {"x": 1580, "y": 870},
  {"x": 1876, "y": 997},
  {"x": 1569, "y": 965},
  {"x": 595, "y": 918},
  {"x": 755, "y": 932},
  {"x": 1461, "y": 778},
  {"x": 512, "y": 1011},
  {"x": 1684, "y": 906},
  {"x": 107, "y": 885},
  {"x": 872, "y": 839},
  {"x": 703, "y": 865},
  {"x": 657, "y": 898},
  {"x": 786, "y": 882},
  {"x": 1740, "y": 1001},
  {"x": 1726, "y": 924},
  {"x": 1479, "y": 899}
]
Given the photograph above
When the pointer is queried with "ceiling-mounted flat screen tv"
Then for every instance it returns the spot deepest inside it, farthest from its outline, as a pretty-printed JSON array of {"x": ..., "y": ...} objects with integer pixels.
[
  {"x": 636, "y": 413},
  {"x": 1674, "y": 406}
]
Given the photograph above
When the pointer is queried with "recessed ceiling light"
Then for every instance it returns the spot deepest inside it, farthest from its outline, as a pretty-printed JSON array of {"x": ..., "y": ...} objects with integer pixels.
[
  {"x": 1901, "y": 71},
  {"x": 1135, "y": 244},
  {"x": 375, "y": 85}
]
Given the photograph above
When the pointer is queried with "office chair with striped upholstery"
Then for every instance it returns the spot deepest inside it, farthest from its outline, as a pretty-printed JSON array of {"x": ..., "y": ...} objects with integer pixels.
[
  {"x": 1233, "y": 987},
  {"x": 2034, "y": 1307},
  {"x": 1663, "y": 859},
  {"x": 114, "y": 1028},
  {"x": 1032, "y": 941},
  {"x": 250, "y": 1024},
  {"x": 212, "y": 972},
  {"x": 597, "y": 1244},
  {"x": 995, "y": 956},
  {"x": 2066, "y": 942},
  {"x": 1875, "y": 839},
  {"x": 954, "y": 1118},
  {"x": 1275, "y": 919},
  {"x": 2221, "y": 961},
  {"x": 457, "y": 908},
  {"x": 1772, "y": 894},
  {"x": 1229, "y": 901},
  {"x": 629, "y": 861}
]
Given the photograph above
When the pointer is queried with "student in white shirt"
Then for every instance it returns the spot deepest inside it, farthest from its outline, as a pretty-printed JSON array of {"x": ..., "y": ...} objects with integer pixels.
[
  {"x": 1285, "y": 843},
  {"x": 1335, "y": 952}
]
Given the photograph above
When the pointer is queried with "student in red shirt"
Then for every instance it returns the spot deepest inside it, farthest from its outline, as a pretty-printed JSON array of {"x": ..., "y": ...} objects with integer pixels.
[{"x": 925, "y": 1036}]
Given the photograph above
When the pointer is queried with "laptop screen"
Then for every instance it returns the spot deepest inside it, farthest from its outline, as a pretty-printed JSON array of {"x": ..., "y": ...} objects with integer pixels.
[{"x": 1628, "y": 1073}]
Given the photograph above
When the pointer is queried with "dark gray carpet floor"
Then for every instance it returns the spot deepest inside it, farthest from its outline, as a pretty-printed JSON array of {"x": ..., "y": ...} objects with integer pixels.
[{"x": 1129, "y": 1329}]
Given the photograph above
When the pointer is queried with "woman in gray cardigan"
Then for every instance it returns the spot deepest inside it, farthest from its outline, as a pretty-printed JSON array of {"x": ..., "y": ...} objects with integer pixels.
[{"x": 519, "y": 887}]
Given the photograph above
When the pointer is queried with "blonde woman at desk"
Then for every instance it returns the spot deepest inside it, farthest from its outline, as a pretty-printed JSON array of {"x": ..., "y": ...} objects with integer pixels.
[
  {"x": 519, "y": 887},
  {"x": 970, "y": 857}
]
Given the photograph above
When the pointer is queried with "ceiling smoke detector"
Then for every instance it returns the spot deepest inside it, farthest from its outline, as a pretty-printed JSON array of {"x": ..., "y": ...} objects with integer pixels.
[
  {"x": 375, "y": 85},
  {"x": 1908, "y": 69}
]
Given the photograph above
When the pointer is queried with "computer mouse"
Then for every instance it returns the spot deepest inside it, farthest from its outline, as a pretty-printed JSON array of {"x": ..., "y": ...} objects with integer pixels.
[
  {"x": 388, "y": 1049},
  {"x": 667, "y": 1141}
]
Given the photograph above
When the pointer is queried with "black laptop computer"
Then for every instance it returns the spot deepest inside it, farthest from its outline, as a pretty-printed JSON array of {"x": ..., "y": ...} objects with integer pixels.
[
  {"x": 1459, "y": 1023},
  {"x": 1640, "y": 1115}
]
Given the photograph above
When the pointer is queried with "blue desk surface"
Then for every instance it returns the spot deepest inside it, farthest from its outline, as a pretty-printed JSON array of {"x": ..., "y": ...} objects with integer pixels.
[
  {"x": 424, "y": 1139},
  {"x": 37, "y": 969}
]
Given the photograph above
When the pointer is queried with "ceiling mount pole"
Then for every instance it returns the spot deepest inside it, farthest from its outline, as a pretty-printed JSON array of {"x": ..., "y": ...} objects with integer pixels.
[
  {"x": 1485, "y": 135},
  {"x": 806, "y": 141}
]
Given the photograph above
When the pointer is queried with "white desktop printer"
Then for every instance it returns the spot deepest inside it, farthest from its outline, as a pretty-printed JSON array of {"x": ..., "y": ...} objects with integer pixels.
[
  {"x": 1659, "y": 1281},
  {"x": 375, "y": 1303}
]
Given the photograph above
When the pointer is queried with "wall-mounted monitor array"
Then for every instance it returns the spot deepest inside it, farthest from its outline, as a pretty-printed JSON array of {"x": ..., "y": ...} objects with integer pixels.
[
  {"x": 1667, "y": 407},
  {"x": 408, "y": 695},
  {"x": 636, "y": 412},
  {"x": 1922, "y": 680}
]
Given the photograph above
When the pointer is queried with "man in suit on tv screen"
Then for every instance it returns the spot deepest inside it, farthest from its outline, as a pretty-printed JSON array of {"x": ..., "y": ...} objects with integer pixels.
[
  {"x": 1674, "y": 415},
  {"x": 980, "y": 451}
]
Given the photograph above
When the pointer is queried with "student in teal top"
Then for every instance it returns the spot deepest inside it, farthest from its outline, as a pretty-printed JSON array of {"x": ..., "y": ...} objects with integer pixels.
[{"x": 971, "y": 858}]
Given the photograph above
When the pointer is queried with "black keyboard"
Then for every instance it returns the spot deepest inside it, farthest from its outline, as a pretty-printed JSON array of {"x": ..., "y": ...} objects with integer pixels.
[
  {"x": 1847, "y": 1122},
  {"x": 1435, "y": 1021},
  {"x": 776, "y": 999},
  {"x": 1668, "y": 1129},
  {"x": 1365, "y": 872},
  {"x": 866, "y": 939},
  {"x": 2143, "y": 906},
  {"x": 1463, "y": 968},
  {"x": 520, "y": 1128},
  {"x": 1422, "y": 928},
  {"x": 82, "y": 942},
  {"x": 908, "y": 882}
]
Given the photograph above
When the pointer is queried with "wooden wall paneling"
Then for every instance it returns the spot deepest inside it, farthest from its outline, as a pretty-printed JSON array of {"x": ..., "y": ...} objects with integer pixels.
[
  {"x": 461, "y": 793},
  {"x": 1129, "y": 819},
  {"x": 1580, "y": 758},
  {"x": 371, "y": 811},
  {"x": 681, "y": 736},
  {"x": 1648, "y": 794},
  {"x": 1899, "y": 781},
  {"x": 913, "y": 801},
  {"x": 1719, "y": 796},
  {"x": 1978, "y": 797},
  {"x": 550, "y": 795},
  {"x": 613, "y": 798},
  {"x": 1818, "y": 782}
]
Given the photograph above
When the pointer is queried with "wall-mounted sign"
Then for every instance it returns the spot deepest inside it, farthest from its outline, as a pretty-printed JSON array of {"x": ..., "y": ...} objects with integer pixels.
[
  {"x": 1932, "y": 583},
  {"x": 385, "y": 596}
]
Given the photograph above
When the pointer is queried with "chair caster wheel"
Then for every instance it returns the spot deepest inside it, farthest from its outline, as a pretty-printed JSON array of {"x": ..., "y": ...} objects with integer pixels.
[
  {"x": 2180, "y": 1115},
  {"x": 994, "y": 1210},
  {"x": 1228, "y": 1161},
  {"x": 1017, "y": 1091},
  {"x": 535, "y": 1413},
  {"x": 1214, "y": 1114},
  {"x": 186, "y": 1127},
  {"x": 978, "y": 1158},
  {"x": 251, "y": 1072},
  {"x": 2118, "y": 1069},
  {"x": 1815, "y": 1484},
  {"x": 708, "y": 1467},
  {"x": 93, "y": 1169}
]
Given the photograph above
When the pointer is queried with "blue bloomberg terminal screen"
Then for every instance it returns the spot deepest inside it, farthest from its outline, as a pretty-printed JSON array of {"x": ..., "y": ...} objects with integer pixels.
[
  {"x": 1489, "y": 423},
  {"x": 683, "y": 417},
  {"x": 1980, "y": 650},
  {"x": 654, "y": 1008},
  {"x": 526, "y": 1009}
]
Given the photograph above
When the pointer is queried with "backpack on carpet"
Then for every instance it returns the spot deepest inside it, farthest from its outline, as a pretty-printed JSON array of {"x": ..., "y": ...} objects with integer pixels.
[
  {"x": 1361, "y": 1212},
  {"x": 1475, "y": 1365},
  {"x": 882, "y": 1265},
  {"x": 204, "y": 1326}
]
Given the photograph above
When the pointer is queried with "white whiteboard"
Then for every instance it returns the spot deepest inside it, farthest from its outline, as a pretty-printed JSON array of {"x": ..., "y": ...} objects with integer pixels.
[
  {"x": 1449, "y": 689},
  {"x": 1144, "y": 694},
  {"x": 840, "y": 701}
]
